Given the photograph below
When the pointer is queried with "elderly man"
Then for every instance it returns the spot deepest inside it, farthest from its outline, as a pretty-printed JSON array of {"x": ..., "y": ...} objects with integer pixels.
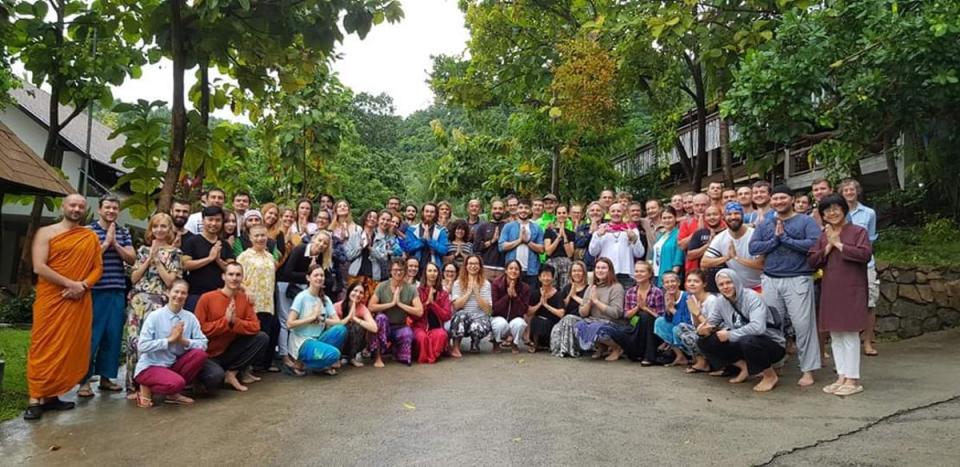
[
  {"x": 68, "y": 260},
  {"x": 620, "y": 242},
  {"x": 109, "y": 297}
]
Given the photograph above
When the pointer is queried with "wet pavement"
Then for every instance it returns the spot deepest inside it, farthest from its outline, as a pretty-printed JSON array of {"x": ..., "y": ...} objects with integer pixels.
[{"x": 526, "y": 410}]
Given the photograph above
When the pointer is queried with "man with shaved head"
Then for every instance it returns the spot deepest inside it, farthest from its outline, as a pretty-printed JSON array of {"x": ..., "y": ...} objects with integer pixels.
[
  {"x": 695, "y": 222},
  {"x": 68, "y": 260}
]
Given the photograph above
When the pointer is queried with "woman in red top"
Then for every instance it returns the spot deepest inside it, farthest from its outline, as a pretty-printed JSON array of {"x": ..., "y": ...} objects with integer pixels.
[{"x": 429, "y": 337}]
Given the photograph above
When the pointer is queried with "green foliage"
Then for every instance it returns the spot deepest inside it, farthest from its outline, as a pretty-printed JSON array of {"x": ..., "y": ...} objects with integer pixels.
[
  {"x": 13, "y": 349},
  {"x": 143, "y": 153},
  {"x": 937, "y": 243},
  {"x": 17, "y": 309}
]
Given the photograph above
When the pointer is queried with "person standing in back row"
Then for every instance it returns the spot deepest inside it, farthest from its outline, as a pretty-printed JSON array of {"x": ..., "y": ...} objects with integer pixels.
[{"x": 787, "y": 280}]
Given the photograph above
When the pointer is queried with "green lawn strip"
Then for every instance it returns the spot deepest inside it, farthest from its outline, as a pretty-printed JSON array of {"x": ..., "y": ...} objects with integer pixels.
[{"x": 13, "y": 349}]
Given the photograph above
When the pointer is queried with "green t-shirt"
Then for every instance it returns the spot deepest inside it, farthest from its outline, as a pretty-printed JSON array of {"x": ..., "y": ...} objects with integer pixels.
[{"x": 396, "y": 315}]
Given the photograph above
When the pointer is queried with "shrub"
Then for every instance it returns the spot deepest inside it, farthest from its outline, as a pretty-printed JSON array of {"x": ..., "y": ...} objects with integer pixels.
[{"x": 17, "y": 310}]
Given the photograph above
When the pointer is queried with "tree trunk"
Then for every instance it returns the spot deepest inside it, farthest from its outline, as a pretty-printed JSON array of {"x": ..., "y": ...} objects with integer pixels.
[
  {"x": 891, "y": 158},
  {"x": 685, "y": 166},
  {"x": 698, "y": 165},
  {"x": 555, "y": 171},
  {"x": 53, "y": 156},
  {"x": 178, "y": 112},
  {"x": 204, "y": 115},
  {"x": 726, "y": 157}
]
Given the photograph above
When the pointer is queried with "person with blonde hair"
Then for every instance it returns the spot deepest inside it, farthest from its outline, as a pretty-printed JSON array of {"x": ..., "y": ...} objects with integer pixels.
[
  {"x": 292, "y": 278},
  {"x": 159, "y": 264}
]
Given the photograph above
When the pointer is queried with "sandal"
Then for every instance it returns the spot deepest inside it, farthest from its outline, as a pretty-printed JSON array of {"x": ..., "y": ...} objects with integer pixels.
[
  {"x": 832, "y": 387},
  {"x": 178, "y": 399},
  {"x": 847, "y": 390},
  {"x": 144, "y": 402},
  {"x": 85, "y": 392}
]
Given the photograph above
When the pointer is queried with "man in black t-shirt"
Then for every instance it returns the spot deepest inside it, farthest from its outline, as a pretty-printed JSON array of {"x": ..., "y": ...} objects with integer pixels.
[
  {"x": 485, "y": 239},
  {"x": 205, "y": 257},
  {"x": 700, "y": 241}
]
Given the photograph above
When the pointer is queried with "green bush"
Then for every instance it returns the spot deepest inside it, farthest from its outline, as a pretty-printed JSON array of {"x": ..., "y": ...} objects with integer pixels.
[
  {"x": 937, "y": 243},
  {"x": 17, "y": 310}
]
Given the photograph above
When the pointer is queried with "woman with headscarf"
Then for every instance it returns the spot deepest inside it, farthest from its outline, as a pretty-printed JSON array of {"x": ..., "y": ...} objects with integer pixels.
[
  {"x": 742, "y": 333},
  {"x": 842, "y": 252}
]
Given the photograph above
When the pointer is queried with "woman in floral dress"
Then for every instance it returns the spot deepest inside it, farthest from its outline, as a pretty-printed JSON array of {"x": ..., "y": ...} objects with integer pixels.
[{"x": 158, "y": 265}]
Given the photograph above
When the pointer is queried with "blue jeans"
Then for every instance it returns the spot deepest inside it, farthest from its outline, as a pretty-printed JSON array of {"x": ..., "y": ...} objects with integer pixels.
[{"x": 109, "y": 315}]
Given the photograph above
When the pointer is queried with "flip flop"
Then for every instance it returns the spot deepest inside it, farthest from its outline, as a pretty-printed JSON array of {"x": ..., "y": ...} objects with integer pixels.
[
  {"x": 870, "y": 353},
  {"x": 691, "y": 370},
  {"x": 85, "y": 393},
  {"x": 847, "y": 390},
  {"x": 111, "y": 386}
]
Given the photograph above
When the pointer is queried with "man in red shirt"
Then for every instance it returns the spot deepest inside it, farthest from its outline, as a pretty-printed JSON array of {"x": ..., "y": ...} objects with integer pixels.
[
  {"x": 692, "y": 224},
  {"x": 228, "y": 320}
]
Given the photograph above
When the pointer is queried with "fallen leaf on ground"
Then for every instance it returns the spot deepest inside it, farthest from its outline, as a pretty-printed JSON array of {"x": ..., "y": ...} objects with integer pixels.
[
  {"x": 409, "y": 406},
  {"x": 517, "y": 440},
  {"x": 54, "y": 448}
]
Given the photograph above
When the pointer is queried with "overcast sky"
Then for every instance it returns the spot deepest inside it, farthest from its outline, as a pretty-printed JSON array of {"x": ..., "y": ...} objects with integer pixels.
[{"x": 394, "y": 58}]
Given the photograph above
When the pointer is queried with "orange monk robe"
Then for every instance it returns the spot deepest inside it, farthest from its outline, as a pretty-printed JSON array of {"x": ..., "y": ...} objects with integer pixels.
[{"x": 60, "y": 340}]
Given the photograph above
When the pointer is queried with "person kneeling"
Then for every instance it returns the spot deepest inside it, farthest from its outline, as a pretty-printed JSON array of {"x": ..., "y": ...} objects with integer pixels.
[
  {"x": 316, "y": 334},
  {"x": 745, "y": 339},
  {"x": 235, "y": 341},
  {"x": 172, "y": 351}
]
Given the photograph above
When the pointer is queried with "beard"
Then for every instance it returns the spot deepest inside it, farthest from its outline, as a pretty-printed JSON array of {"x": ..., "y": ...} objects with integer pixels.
[
  {"x": 179, "y": 222},
  {"x": 497, "y": 216},
  {"x": 73, "y": 216},
  {"x": 735, "y": 225}
]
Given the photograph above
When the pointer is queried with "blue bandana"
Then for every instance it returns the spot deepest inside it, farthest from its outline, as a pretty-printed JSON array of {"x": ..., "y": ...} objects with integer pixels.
[{"x": 733, "y": 206}]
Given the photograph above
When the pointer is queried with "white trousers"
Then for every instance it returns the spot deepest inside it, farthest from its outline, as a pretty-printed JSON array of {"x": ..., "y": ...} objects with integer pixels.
[
  {"x": 846, "y": 353},
  {"x": 501, "y": 329}
]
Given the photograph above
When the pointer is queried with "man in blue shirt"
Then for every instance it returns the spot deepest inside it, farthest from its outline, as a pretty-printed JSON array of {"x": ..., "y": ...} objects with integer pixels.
[
  {"x": 109, "y": 299},
  {"x": 522, "y": 240},
  {"x": 787, "y": 280},
  {"x": 426, "y": 241},
  {"x": 865, "y": 217}
]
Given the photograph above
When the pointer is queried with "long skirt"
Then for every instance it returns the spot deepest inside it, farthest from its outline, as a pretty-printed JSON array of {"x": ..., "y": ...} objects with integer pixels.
[
  {"x": 563, "y": 337},
  {"x": 587, "y": 330},
  {"x": 324, "y": 351},
  {"x": 562, "y": 275},
  {"x": 429, "y": 344},
  {"x": 398, "y": 338},
  {"x": 141, "y": 305},
  {"x": 475, "y": 325},
  {"x": 638, "y": 342}
]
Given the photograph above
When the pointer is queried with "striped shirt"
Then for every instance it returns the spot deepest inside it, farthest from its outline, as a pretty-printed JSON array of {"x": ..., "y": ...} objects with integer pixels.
[{"x": 114, "y": 275}]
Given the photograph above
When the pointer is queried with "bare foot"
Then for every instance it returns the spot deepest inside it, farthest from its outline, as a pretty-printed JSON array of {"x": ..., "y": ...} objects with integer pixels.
[
  {"x": 680, "y": 362},
  {"x": 246, "y": 378},
  {"x": 742, "y": 376},
  {"x": 455, "y": 352},
  {"x": 806, "y": 379},
  {"x": 378, "y": 363},
  {"x": 768, "y": 382},
  {"x": 614, "y": 355},
  {"x": 717, "y": 373},
  {"x": 231, "y": 379}
]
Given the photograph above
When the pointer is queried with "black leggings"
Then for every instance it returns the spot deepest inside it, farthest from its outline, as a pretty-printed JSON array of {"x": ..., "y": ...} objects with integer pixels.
[
  {"x": 271, "y": 327},
  {"x": 760, "y": 352}
]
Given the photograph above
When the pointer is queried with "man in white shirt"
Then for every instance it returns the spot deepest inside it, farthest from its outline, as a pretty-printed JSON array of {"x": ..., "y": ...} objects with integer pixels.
[
  {"x": 215, "y": 197},
  {"x": 731, "y": 249},
  {"x": 620, "y": 242}
]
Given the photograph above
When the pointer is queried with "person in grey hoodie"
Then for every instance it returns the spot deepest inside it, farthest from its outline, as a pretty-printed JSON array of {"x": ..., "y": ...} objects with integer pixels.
[{"x": 742, "y": 332}]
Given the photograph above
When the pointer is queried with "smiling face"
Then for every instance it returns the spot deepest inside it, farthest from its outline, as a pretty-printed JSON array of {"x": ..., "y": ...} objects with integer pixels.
[
  {"x": 473, "y": 265},
  {"x": 821, "y": 190},
  {"x": 561, "y": 215},
  {"x": 734, "y": 220},
  {"x": 577, "y": 274},
  {"x": 270, "y": 216},
  {"x": 357, "y": 294},
  {"x": 715, "y": 190},
  {"x": 700, "y": 203},
  {"x": 849, "y": 192},
  {"x": 668, "y": 220},
  {"x": 712, "y": 217},
  {"x": 74, "y": 208},
  {"x": 413, "y": 267},
  {"x": 385, "y": 221},
  {"x": 212, "y": 224},
  {"x": 474, "y": 208},
  {"x": 601, "y": 271},
  {"x": 512, "y": 205},
  {"x": 512, "y": 271},
  {"x": 834, "y": 216},
  {"x": 497, "y": 209},
  {"x": 161, "y": 229},
  {"x": 323, "y": 219},
  {"x": 230, "y": 224},
  {"x": 546, "y": 278},
  {"x": 595, "y": 212},
  {"x": 761, "y": 196},
  {"x": 216, "y": 198},
  {"x": 444, "y": 211},
  {"x": 688, "y": 204},
  {"x": 109, "y": 210},
  {"x": 782, "y": 203},
  {"x": 258, "y": 235},
  {"x": 371, "y": 220},
  {"x": 671, "y": 283},
  {"x": 676, "y": 202},
  {"x": 725, "y": 284},
  {"x": 287, "y": 219},
  {"x": 694, "y": 284},
  {"x": 616, "y": 213},
  {"x": 576, "y": 213},
  {"x": 316, "y": 278},
  {"x": 642, "y": 272},
  {"x": 431, "y": 273},
  {"x": 177, "y": 294},
  {"x": 653, "y": 209},
  {"x": 537, "y": 208},
  {"x": 523, "y": 211},
  {"x": 342, "y": 209},
  {"x": 410, "y": 214},
  {"x": 606, "y": 198},
  {"x": 449, "y": 272}
]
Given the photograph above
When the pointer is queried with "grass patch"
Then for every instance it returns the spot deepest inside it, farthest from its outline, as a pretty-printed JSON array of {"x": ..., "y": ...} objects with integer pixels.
[
  {"x": 919, "y": 246},
  {"x": 13, "y": 349}
]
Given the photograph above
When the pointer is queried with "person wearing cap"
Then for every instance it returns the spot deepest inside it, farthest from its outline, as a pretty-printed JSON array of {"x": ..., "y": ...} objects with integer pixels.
[
  {"x": 549, "y": 216},
  {"x": 731, "y": 249},
  {"x": 206, "y": 257},
  {"x": 787, "y": 280},
  {"x": 243, "y": 242}
]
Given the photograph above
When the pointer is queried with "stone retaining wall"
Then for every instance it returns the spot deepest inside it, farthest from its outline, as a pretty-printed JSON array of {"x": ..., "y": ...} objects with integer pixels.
[{"x": 916, "y": 300}]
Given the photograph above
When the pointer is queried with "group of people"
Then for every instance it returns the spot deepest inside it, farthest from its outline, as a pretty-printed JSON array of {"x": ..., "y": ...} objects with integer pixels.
[{"x": 724, "y": 282}]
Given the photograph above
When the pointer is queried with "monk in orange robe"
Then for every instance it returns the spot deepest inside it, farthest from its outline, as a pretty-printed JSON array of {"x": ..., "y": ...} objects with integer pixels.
[{"x": 68, "y": 260}]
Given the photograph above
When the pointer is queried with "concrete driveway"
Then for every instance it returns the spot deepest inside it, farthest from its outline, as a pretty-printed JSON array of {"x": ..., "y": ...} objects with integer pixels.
[{"x": 527, "y": 410}]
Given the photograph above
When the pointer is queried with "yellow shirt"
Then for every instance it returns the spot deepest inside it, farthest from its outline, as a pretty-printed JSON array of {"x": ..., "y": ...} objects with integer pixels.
[{"x": 258, "y": 278}]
